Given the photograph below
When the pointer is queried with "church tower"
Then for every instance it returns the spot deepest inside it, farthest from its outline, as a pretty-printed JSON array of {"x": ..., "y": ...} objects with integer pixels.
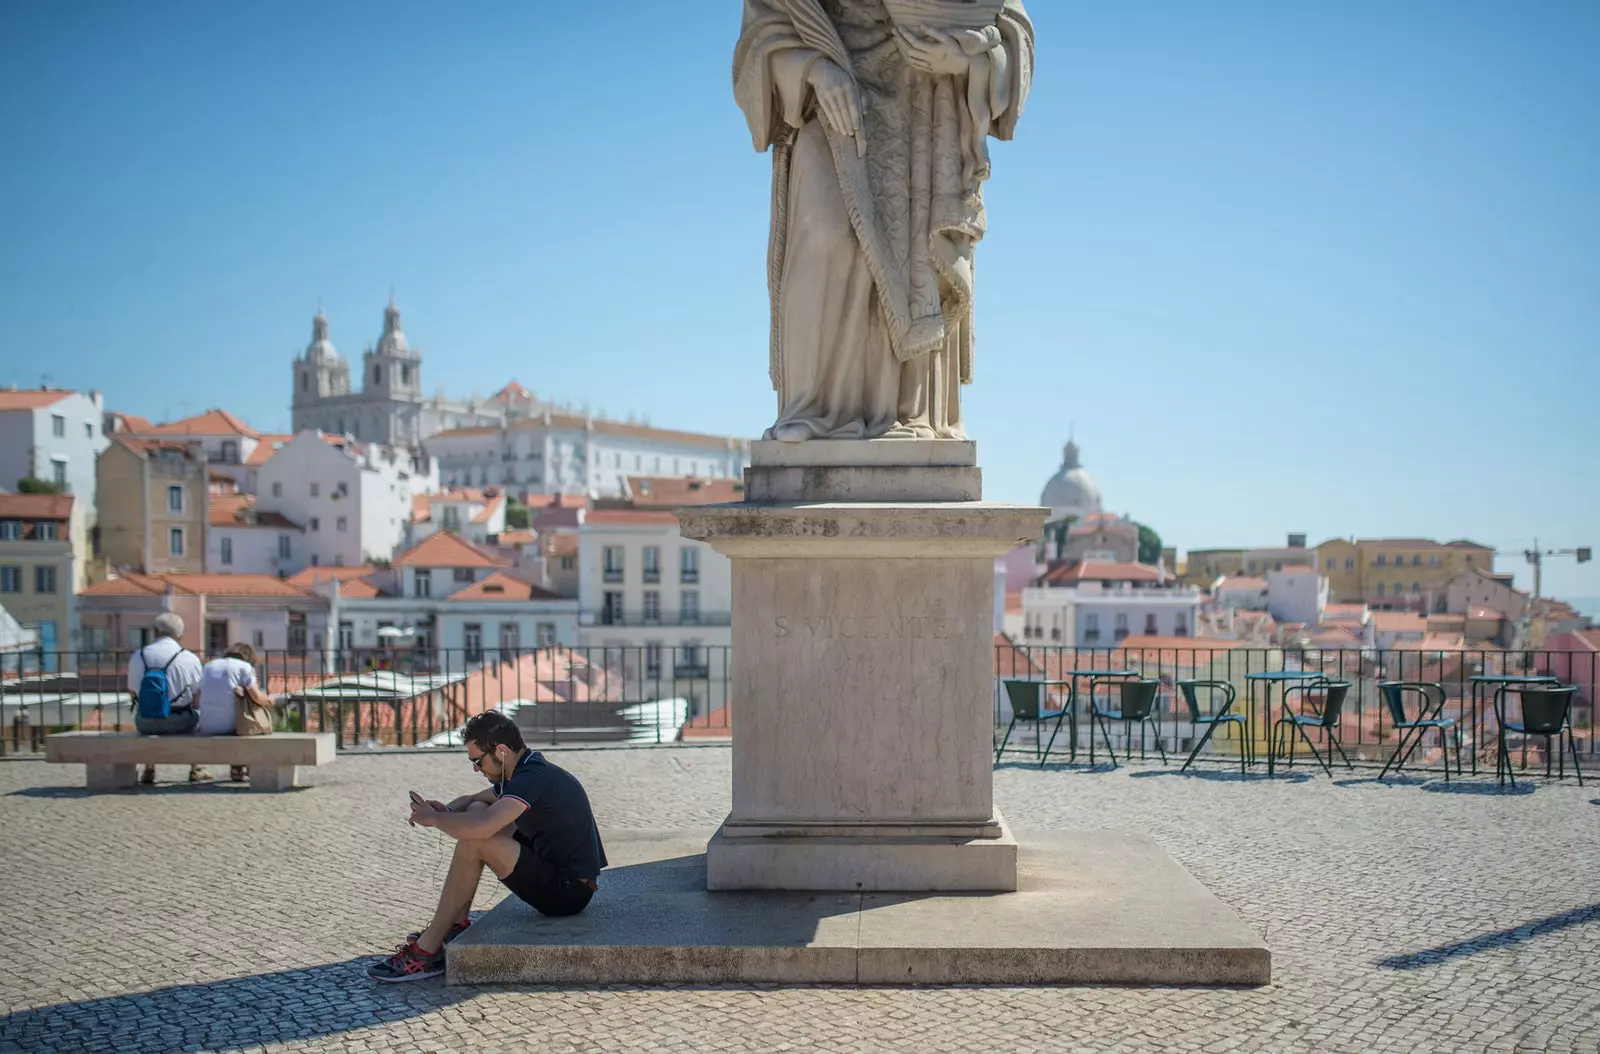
[
  {"x": 394, "y": 370},
  {"x": 318, "y": 374}
]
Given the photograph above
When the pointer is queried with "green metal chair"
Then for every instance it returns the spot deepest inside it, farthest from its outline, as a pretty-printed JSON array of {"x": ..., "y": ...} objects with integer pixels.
[
  {"x": 1547, "y": 712},
  {"x": 1139, "y": 699},
  {"x": 1219, "y": 715},
  {"x": 1030, "y": 702},
  {"x": 1430, "y": 708},
  {"x": 1325, "y": 717}
]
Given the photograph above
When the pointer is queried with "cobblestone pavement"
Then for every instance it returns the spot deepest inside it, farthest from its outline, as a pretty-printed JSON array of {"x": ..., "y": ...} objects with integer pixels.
[{"x": 1403, "y": 917}]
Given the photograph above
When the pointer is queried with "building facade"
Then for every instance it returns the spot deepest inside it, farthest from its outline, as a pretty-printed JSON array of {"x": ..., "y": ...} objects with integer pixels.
[
  {"x": 1099, "y": 605},
  {"x": 1297, "y": 594},
  {"x": 37, "y": 567},
  {"x": 154, "y": 499},
  {"x": 1398, "y": 573},
  {"x": 354, "y": 500},
  {"x": 56, "y": 435},
  {"x": 241, "y": 539},
  {"x": 555, "y": 453},
  {"x": 218, "y": 611}
]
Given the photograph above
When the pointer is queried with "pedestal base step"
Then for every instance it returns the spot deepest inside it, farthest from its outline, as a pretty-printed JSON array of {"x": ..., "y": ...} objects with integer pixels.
[{"x": 1093, "y": 907}]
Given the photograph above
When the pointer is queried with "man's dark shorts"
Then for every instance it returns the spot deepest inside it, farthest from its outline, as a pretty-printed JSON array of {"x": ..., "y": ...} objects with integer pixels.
[{"x": 547, "y": 890}]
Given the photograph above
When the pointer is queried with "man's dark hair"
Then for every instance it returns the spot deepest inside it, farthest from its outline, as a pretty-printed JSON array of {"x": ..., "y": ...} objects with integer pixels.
[{"x": 491, "y": 729}]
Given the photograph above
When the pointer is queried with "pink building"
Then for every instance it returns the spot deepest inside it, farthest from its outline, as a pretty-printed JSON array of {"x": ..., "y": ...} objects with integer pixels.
[{"x": 1575, "y": 658}]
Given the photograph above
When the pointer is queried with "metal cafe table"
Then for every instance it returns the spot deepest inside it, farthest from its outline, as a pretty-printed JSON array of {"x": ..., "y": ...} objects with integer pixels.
[
  {"x": 1502, "y": 683},
  {"x": 1289, "y": 679},
  {"x": 1073, "y": 677}
]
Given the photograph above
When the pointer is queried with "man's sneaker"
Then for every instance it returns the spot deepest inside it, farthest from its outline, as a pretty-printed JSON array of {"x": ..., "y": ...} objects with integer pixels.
[
  {"x": 148, "y": 776},
  {"x": 410, "y": 963},
  {"x": 197, "y": 774},
  {"x": 455, "y": 931}
]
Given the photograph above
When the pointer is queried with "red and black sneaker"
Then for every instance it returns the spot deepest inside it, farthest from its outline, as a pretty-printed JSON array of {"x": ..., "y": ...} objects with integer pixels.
[
  {"x": 409, "y": 963},
  {"x": 455, "y": 931}
]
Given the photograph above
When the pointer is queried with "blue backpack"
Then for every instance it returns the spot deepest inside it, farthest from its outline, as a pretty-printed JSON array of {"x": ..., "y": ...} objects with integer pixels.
[{"x": 155, "y": 697}]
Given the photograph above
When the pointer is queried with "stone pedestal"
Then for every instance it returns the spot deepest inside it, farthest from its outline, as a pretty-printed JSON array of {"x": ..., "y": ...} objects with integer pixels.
[{"x": 863, "y": 636}]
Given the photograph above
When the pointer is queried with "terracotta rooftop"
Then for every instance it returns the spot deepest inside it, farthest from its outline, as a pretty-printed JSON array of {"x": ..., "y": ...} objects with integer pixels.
[
  {"x": 490, "y": 507},
  {"x": 132, "y": 423},
  {"x": 1243, "y": 583},
  {"x": 1480, "y": 611},
  {"x": 212, "y": 422},
  {"x": 312, "y": 575},
  {"x": 667, "y": 492},
  {"x": 35, "y": 507},
  {"x": 32, "y": 398},
  {"x": 238, "y": 510},
  {"x": 446, "y": 550},
  {"x": 562, "y": 543},
  {"x": 601, "y": 427},
  {"x": 422, "y": 504},
  {"x": 1098, "y": 571},
  {"x": 503, "y": 586},
  {"x": 510, "y": 392},
  {"x": 512, "y": 539},
  {"x": 556, "y": 501},
  {"x": 1399, "y": 622},
  {"x": 359, "y": 589},
  {"x": 267, "y": 444},
  {"x": 197, "y": 585},
  {"x": 629, "y": 517}
]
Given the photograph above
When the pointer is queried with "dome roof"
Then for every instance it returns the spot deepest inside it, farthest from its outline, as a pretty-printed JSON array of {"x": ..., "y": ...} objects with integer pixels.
[
  {"x": 393, "y": 341},
  {"x": 320, "y": 348},
  {"x": 1071, "y": 491}
]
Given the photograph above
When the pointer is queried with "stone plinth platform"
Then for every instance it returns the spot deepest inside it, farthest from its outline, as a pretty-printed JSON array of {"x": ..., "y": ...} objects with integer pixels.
[{"x": 1093, "y": 907}]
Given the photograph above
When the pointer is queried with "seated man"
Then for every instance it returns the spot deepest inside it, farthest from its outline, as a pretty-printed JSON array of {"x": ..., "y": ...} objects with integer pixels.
[
  {"x": 532, "y": 827},
  {"x": 178, "y": 671}
]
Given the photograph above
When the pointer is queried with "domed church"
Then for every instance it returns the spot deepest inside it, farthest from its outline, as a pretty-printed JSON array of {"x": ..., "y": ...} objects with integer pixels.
[{"x": 1071, "y": 491}]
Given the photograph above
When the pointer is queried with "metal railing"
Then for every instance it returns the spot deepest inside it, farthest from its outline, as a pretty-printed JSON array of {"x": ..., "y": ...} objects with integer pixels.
[
  {"x": 397, "y": 697},
  {"x": 661, "y": 694},
  {"x": 1366, "y": 727}
]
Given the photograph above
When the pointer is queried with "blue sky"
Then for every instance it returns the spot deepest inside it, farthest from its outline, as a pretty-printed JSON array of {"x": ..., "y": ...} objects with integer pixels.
[{"x": 1328, "y": 268}]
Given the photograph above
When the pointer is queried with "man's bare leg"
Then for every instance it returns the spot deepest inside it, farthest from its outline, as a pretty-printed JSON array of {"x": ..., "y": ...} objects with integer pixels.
[{"x": 499, "y": 852}]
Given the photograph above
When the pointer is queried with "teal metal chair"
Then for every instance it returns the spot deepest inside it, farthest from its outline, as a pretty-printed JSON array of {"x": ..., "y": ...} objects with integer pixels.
[
  {"x": 1430, "y": 710},
  {"x": 1547, "y": 712},
  {"x": 1030, "y": 702},
  {"x": 1139, "y": 698},
  {"x": 1325, "y": 716},
  {"x": 1219, "y": 715}
]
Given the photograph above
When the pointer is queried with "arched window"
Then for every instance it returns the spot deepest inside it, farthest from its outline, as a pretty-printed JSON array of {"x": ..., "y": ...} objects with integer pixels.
[
  {"x": 1416, "y": 587},
  {"x": 377, "y": 374},
  {"x": 305, "y": 382},
  {"x": 405, "y": 375}
]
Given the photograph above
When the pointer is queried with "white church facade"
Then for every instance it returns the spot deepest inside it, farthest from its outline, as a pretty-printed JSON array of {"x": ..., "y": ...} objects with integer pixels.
[{"x": 510, "y": 440}]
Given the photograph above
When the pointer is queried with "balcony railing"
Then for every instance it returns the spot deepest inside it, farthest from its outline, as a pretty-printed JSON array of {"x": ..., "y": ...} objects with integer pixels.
[{"x": 689, "y": 576}]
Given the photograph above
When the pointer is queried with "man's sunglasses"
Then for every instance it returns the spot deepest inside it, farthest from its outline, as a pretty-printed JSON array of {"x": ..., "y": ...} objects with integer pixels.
[{"x": 477, "y": 762}]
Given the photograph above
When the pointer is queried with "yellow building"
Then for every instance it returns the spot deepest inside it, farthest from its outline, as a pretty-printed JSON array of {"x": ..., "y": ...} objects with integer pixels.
[
  {"x": 1205, "y": 566},
  {"x": 1404, "y": 573},
  {"x": 36, "y": 567},
  {"x": 153, "y": 498}
]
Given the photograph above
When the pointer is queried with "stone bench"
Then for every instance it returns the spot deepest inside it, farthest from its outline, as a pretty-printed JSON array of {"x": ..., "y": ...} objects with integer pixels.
[{"x": 112, "y": 759}]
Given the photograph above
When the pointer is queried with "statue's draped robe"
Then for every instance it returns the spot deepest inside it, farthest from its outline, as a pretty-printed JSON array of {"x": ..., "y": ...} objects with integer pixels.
[{"x": 871, "y": 259}]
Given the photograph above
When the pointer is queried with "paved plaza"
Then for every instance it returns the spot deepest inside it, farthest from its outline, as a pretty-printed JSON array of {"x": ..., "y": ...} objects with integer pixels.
[{"x": 1405, "y": 917}]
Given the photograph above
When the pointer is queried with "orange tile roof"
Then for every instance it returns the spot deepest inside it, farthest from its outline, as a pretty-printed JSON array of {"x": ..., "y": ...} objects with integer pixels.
[
  {"x": 556, "y": 501},
  {"x": 1298, "y": 567},
  {"x": 490, "y": 507},
  {"x": 1179, "y": 643},
  {"x": 511, "y": 391},
  {"x": 674, "y": 491},
  {"x": 311, "y": 575},
  {"x": 515, "y": 538},
  {"x": 267, "y": 444},
  {"x": 145, "y": 447},
  {"x": 1098, "y": 571},
  {"x": 1482, "y": 612},
  {"x": 1399, "y": 622},
  {"x": 1013, "y": 602},
  {"x": 238, "y": 510},
  {"x": 629, "y": 517},
  {"x": 562, "y": 543},
  {"x": 503, "y": 586},
  {"x": 212, "y": 422},
  {"x": 1242, "y": 582},
  {"x": 359, "y": 589},
  {"x": 32, "y": 398},
  {"x": 197, "y": 585},
  {"x": 132, "y": 423},
  {"x": 446, "y": 550},
  {"x": 36, "y": 506}
]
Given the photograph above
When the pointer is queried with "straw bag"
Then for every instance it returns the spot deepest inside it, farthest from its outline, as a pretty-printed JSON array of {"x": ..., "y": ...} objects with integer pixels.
[{"x": 250, "y": 717}]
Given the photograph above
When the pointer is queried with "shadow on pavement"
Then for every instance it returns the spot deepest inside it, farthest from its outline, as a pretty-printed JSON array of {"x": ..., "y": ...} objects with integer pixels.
[
  {"x": 1228, "y": 777},
  {"x": 239, "y": 1012},
  {"x": 208, "y": 787},
  {"x": 1491, "y": 790},
  {"x": 1486, "y": 942}
]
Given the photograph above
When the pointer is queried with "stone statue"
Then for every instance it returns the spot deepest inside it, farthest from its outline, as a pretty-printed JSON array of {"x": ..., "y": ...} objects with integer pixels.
[{"x": 878, "y": 114}]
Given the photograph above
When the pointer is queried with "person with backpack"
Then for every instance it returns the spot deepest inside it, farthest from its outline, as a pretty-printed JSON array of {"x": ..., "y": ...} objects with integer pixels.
[{"x": 164, "y": 678}]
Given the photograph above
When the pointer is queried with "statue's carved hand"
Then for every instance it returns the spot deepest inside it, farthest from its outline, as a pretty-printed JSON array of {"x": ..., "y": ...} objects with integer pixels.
[
  {"x": 837, "y": 99},
  {"x": 932, "y": 51}
]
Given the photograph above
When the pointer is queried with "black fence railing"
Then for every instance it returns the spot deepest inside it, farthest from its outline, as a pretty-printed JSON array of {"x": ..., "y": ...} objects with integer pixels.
[
  {"x": 1472, "y": 683},
  {"x": 383, "y": 697},
  {"x": 404, "y": 697}
]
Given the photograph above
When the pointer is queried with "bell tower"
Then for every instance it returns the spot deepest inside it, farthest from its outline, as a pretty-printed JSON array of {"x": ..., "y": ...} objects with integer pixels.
[{"x": 318, "y": 374}]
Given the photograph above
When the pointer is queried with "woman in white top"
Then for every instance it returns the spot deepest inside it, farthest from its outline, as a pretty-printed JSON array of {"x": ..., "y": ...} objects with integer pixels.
[{"x": 222, "y": 682}]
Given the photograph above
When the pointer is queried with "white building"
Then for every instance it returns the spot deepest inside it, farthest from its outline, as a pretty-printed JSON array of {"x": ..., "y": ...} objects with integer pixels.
[
  {"x": 389, "y": 406},
  {"x": 1099, "y": 605},
  {"x": 475, "y": 515},
  {"x": 353, "y": 499},
  {"x": 1297, "y": 594},
  {"x": 452, "y": 602},
  {"x": 231, "y": 447},
  {"x": 665, "y": 600},
  {"x": 55, "y": 435},
  {"x": 241, "y": 539},
  {"x": 1246, "y": 592},
  {"x": 555, "y": 453}
]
